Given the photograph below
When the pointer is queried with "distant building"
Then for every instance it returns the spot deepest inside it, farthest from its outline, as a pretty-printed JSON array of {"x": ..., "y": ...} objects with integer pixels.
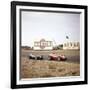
[
  {"x": 43, "y": 45},
  {"x": 71, "y": 45}
]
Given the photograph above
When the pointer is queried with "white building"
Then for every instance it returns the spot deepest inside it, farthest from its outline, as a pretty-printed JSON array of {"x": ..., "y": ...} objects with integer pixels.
[
  {"x": 71, "y": 45},
  {"x": 43, "y": 45}
]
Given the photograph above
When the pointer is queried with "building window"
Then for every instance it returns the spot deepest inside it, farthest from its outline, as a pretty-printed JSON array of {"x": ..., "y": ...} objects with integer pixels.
[
  {"x": 78, "y": 44},
  {"x": 36, "y": 44},
  {"x": 75, "y": 44},
  {"x": 65, "y": 45},
  {"x": 48, "y": 43},
  {"x": 71, "y": 44}
]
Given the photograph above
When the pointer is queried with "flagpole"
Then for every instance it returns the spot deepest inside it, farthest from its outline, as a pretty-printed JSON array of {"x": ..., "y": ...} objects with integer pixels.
[{"x": 67, "y": 38}]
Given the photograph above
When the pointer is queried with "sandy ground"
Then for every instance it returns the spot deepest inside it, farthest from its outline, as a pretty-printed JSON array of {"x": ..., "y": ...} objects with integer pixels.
[{"x": 46, "y": 68}]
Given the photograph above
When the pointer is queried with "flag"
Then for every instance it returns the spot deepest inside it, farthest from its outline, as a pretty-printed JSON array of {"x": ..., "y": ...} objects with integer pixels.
[{"x": 67, "y": 37}]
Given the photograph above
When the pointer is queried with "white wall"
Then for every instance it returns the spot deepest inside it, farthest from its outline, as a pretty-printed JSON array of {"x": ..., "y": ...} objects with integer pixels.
[
  {"x": 46, "y": 48},
  {"x": 5, "y": 44}
]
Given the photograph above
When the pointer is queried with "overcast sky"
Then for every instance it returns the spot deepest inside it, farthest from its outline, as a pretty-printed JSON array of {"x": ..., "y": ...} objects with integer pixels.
[{"x": 51, "y": 26}]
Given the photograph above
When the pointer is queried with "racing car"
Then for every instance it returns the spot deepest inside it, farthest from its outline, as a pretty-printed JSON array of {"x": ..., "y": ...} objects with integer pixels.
[
  {"x": 56, "y": 57},
  {"x": 37, "y": 57}
]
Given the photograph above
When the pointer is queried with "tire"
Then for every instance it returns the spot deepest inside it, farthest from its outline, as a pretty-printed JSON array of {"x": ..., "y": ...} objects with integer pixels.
[
  {"x": 29, "y": 57},
  {"x": 49, "y": 58},
  {"x": 58, "y": 58}
]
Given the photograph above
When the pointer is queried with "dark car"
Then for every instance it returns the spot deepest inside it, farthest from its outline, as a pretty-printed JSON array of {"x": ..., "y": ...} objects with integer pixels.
[
  {"x": 37, "y": 57},
  {"x": 56, "y": 57}
]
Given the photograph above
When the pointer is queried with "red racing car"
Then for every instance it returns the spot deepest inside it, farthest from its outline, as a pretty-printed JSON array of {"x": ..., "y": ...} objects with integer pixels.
[{"x": 54, "y": 56}]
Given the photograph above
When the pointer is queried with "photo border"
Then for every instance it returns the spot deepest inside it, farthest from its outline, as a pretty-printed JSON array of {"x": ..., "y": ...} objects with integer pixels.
[{"x": 14, "y": 44}]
